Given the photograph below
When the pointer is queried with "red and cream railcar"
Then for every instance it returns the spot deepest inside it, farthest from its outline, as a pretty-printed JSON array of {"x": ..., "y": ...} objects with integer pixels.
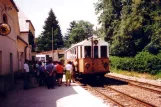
[{"x": 91, "y": 55}]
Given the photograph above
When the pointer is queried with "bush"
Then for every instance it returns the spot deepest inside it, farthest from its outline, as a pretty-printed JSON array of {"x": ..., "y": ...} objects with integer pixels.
[
  {"x": 146, "y": 62},
  {"x": 121, "y": 63},
  {"x": 142, "y": 62}
]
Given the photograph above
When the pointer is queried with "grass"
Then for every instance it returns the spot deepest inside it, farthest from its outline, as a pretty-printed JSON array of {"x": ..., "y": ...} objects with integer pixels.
[{"x": 136, "y": 74}]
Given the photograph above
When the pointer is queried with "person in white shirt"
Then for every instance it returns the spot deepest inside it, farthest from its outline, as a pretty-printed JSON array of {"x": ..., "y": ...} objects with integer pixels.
[
  {"x": 26, "y": 66},
  {"x": 26, "y": 75},
  {"x": 68, "y": 73}
]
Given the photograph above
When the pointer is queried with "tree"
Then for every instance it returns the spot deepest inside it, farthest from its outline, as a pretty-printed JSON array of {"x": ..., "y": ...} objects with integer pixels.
[
  {"x": 72, "y": 25},
  {"x": 130, "y": 26},
  {"x": 78, "y": 31},
  {"x": 44, "y": 41},
  {"x": 109, "y": 16}
]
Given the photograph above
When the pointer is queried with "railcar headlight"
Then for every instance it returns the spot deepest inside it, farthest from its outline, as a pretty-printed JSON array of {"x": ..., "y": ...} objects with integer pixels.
[
  {"x": 105, "y": 65},
  {"x": 95, "y": 42},
  {"x": 87, "y": 65}
]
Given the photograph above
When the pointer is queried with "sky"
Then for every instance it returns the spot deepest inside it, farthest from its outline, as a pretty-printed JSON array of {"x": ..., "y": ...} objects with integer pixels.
[{"x": 65, "y": 11}]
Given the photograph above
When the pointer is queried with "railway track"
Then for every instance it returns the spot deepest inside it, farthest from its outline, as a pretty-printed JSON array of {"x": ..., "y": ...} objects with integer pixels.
[
  {"x": 143, "y": 85},
  {"x": 119, "y": 98},
  {"x": 131, "y": 99}
]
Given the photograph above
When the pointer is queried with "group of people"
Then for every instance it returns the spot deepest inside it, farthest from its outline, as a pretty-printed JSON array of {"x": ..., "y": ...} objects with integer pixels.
[{"x": 51, "y": 73}]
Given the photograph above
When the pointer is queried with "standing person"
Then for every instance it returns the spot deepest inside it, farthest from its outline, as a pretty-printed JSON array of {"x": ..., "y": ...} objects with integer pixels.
[
  {"x": 59, "y": 71},
  {"x": 68, "y": 73},
  {"x": 34, "y": 68},
  {"x": 55, "y": 63},
  {"x": 37, "y": 73},
  {"x": 37, "y": 65},
  {"x": 50, "y": 72},
  {"x": 46, "y": 74},
  {"x": 31, "y": 75},
  {"x": 26, "y": 75},
  {"x": 41, "y": 71}
]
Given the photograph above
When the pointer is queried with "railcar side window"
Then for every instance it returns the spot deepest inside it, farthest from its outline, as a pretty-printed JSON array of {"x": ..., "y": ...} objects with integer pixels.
[
  {"x": 103, "y": 51},
  {"x": 95, "y": 51},
  {"x": 75, "y": 51},
  {"x": 80, "y": 51},
  {"x": 87, "y": 51}
]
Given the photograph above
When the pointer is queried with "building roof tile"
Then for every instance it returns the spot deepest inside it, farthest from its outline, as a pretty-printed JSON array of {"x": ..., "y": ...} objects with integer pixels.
[
  {"x": 24, "y": 26},
  {"x": 24, "y": 22}
]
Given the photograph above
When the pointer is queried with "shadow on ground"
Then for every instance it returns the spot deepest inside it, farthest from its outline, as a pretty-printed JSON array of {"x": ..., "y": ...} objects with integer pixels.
[
  {"x": 35, "y": 97},
  {"x": 98, "y": 83}
]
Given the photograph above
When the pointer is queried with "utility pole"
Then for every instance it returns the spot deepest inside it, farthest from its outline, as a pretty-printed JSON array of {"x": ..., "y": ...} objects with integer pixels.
[{"x": 52, "y": 45}]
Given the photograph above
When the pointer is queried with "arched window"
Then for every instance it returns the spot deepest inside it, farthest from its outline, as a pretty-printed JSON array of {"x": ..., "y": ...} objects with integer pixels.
[{"x": 5, "y": 18}]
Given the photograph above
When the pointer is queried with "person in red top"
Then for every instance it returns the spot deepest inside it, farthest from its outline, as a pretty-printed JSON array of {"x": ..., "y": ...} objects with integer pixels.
[{"x": 59, "y": 70}]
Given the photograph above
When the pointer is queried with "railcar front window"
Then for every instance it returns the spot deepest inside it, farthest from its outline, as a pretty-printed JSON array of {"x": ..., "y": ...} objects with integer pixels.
[
  {"x": 87, "y": 51},
  {"x": 95, "y": 51},
  {"x": 103, "y": 51}
]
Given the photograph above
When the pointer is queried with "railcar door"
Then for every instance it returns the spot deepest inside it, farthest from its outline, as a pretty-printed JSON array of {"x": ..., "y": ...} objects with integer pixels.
[
  {"x": 101, "y": 64},
  {"x": 88, "y": 65}
]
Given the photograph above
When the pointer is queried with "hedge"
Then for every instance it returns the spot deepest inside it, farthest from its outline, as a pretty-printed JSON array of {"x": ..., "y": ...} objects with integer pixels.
[{"x": 142, "y": 62}]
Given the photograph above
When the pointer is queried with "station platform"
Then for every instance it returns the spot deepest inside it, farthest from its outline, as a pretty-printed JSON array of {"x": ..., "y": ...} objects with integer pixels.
[{"x": 70, "y": 96}]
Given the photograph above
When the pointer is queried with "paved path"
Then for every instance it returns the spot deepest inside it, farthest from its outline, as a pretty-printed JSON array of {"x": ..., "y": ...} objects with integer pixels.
[{"x": 72, "y": 96}]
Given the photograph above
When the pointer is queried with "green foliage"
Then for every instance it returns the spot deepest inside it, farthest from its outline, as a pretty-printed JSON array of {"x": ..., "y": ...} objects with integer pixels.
[
  {"x": 121, "y": 63},
  {"x": 133, "y": 29},
  {"x": 130, "y": 26},
  {"x": 44, "y": 41},
  {"x": 158, "y": 75},
  {"x": 142, "y": 62},
  {"x": 78, "y": 31}
]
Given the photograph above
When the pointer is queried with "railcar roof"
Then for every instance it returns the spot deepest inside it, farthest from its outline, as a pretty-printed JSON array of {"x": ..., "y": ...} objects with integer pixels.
[
  {"x": 77, "y": 44},
  {"x": 84, "y": 42},
  {"x": 42, "y": 55}
]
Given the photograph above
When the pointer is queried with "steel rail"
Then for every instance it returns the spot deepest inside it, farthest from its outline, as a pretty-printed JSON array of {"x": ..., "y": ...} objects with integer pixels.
[
  {"x": 121, "y": 105},
  {"x": 129, "y": 80},
  {"x": 149, "y": 89},
  {"x": 147, "y": 104},
  {"x": 137, "y": 99}
]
